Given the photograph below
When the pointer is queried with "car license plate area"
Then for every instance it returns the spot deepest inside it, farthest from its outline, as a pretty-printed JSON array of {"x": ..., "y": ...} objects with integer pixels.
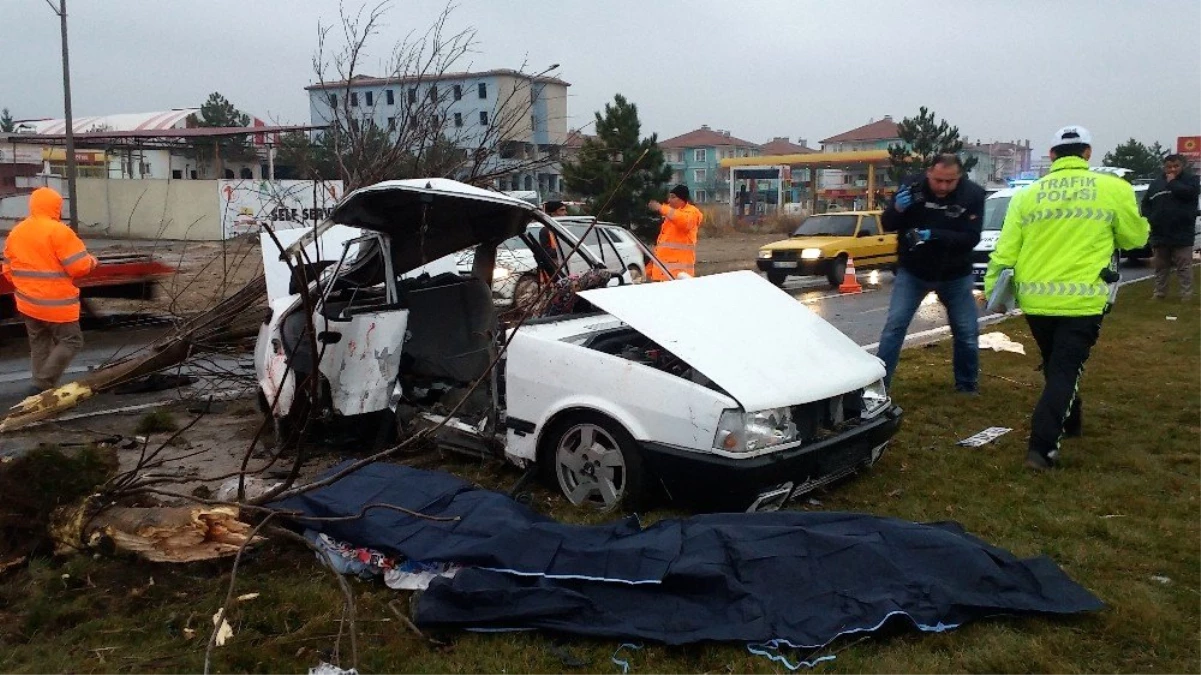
[{"x": 784, "y": 264}]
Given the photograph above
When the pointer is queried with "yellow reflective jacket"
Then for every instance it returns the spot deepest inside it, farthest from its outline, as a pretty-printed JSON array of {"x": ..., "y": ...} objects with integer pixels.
[{"x": 1060, "y": 233}]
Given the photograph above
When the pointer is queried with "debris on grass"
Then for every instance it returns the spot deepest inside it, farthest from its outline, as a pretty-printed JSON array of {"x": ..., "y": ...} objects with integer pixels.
[
  {"x": 159, "y": 421},
  {"x": 987, "y": 436},
  {"x": 1000, "y": 342}
]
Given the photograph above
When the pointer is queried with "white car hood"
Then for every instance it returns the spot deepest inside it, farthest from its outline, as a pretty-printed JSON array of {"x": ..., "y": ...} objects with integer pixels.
[{"x": 758, "y": 343}]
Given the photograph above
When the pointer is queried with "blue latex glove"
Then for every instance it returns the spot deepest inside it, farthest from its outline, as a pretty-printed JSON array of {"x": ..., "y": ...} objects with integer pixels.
[
  {"x": 903, "y": 200},
  {"x": 924, "y": 235}
]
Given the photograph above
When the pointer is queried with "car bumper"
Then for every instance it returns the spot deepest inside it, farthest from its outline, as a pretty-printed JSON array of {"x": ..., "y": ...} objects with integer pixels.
[
  {"x": 767, "y": 481},
  {"x": 978, "y": 272},
  {"x": 795, "y": 268}
]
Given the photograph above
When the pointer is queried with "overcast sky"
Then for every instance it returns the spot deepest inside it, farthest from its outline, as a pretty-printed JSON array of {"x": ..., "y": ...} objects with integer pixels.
[{"x": 999, "y": 69}]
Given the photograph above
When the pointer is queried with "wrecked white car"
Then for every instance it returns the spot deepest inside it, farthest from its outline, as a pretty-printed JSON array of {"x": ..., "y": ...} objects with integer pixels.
[{"x": 616, "y": 392}]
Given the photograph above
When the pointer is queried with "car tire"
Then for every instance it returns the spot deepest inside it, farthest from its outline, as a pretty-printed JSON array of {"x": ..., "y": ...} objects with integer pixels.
[
  {"x": 525, "y": 291},
  {"x": 594, "y": 461},
  {"x": 836, "y": 271},
  {"x": 777, "y": 278}
]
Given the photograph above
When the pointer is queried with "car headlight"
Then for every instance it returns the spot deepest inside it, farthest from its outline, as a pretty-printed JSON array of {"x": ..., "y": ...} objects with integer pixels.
[
  {"x": 765, "y": 255},
  {"x": 811, "y": 254},
  {"x": 875, "y": 398},
  {"x": 501, "y": 273},
  {"x": 739, "y": 431}
]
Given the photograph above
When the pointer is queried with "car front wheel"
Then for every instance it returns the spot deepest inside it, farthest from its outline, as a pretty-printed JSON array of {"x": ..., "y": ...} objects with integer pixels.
[
  {"x": 777, "y": 278},
  {"x": 838, "y": 269},
  {"x": 595, "y": 462}
]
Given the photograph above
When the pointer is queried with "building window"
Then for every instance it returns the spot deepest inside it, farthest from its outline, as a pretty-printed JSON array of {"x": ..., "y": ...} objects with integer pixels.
[
  {"x": 700, "y": 175},
  {"x": 354, "y": 125},
  {"x": 702, "y": 197},
  {"x": 333, "y": 100},
  {"x": 483, "y": 118},
  {"x": 700, "y": 155},
  {"x": 458, "y": 119},
  {"x": 433, "y": 92},
  {"x": 458, "y": 92},
  {"x": 533, "y": 122},
  {"x": 370, "y": 99},
  {"x": 391, "y": 100},
  {"x": 391, "y": 124},
  {"x": 412, "y": 94},
  {"x": 483, "y": 89},
  {"x": 177, "y": 174},
  {"x": 354, "y": 99}
]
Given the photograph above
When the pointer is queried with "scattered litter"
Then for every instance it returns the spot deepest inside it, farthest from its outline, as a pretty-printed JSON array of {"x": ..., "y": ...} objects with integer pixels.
[
  {"x": 1163, "y": 580},
  {"x": 1170, "y": 318},
  {"x": 248, "y": 596},
  {"x": 189, "y": 633},
  {"x": 896, "y": 493},
  {"x": 987, "y": 436},
  {"x": 344, "y": 558},
  {"x": 814, "y": 502},
  {"x": 770, "y": 650},
  {"x": 254, "y": 487},
  {"x": 224, "y": 630},
  {"x": 1000, "y": 342},
  {"x": 331, "y": 669},
  {"x": 1114, "y": 515}
]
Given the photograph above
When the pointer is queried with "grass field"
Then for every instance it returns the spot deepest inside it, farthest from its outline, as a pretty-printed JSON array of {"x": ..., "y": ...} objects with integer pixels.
[{"x": 1122, "y": 517}]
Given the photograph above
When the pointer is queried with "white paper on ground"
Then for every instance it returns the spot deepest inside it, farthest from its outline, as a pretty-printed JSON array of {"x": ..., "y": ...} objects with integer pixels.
[{"x": 987, "y": 436}]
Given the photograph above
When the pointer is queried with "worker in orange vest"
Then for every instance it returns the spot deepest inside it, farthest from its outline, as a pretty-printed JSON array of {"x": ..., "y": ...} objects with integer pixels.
[
  {"x": 676, "y": 245},
  {"x": 42, "y": 258}
]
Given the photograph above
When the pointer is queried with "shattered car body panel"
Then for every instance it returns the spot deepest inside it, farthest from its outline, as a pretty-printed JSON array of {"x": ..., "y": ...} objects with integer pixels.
[{"x": 633, "y": 381}]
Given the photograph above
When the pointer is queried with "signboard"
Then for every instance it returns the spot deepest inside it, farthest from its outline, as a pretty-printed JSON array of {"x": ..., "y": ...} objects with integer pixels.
[
  {"x": 245, "y": 205},
  {"x": 1189, "y": 145},
  {"x": 11, "y": 153}
]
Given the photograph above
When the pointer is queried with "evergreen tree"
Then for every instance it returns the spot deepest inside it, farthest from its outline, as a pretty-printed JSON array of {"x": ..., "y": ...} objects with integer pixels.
[
  {"x": 7, "y": 124},
  {"x": 922, "y": 140},
  {"x": 217, "y": 111},
  {"x": 1143, "y": 161},
  {"x": 604, "y": 159}
]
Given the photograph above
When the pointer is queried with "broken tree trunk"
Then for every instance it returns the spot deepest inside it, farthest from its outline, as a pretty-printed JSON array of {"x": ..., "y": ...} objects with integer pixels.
[
  {"x": 158, "y": 534},
  {"x": 228, "y": 322}
]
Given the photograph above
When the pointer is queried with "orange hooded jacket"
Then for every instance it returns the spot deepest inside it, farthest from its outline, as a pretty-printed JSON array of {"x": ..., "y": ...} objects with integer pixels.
[
  {"x": 676, "y": 246},
  {"x": 42, "y": 257}
]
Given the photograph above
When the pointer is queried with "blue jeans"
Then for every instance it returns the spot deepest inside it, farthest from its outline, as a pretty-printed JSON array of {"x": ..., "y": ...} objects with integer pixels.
[{"x": 956, "y": 295}]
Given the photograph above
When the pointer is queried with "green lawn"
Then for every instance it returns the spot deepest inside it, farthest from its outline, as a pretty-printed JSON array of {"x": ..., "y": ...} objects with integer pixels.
[{"x": 1121, "y": 516}]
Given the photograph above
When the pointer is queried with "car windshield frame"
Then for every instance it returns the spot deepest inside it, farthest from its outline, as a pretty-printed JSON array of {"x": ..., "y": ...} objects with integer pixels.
[{"x": 828, "y": 225}]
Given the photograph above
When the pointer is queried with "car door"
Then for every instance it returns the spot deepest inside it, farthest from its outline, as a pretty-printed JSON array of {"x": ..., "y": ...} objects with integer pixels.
[{"x": 876, "y": 247}]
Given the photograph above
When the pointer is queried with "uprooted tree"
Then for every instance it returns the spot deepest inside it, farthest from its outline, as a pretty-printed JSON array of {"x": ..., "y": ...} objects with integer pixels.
[
  {"x": 400, "y": 124},
  {"x": 922, "y": 139}
]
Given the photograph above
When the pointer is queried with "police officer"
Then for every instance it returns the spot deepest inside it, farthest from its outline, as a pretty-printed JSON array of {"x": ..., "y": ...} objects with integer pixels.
[{"x": 1059, "y": 237}]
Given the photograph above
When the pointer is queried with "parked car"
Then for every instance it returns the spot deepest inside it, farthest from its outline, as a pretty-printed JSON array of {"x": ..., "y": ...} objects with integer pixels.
[
  {"x": 613, "y": 244},
  {"x": 630, "y": 387},
  {"x": 823, "y": 244}
]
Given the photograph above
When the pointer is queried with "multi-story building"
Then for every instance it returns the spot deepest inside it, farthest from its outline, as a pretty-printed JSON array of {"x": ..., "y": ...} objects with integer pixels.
[
  {"x": 695, "y": 161},
  {"x": 523, "y": 116},
  {"x": 998, "y": 162}
]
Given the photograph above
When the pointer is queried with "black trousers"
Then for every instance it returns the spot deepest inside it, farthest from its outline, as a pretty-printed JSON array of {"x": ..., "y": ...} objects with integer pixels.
[{"x": 1064, "y": 343}]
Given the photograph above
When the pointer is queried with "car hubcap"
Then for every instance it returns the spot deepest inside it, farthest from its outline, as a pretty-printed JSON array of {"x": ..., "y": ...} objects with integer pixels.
[{"x": 590, "y": 467}]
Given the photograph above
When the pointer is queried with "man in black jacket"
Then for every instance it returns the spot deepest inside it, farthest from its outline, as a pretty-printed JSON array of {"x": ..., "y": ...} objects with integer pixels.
[
  {"x": 1170, "y": 205},
  {"x": 938, "y": 221}
]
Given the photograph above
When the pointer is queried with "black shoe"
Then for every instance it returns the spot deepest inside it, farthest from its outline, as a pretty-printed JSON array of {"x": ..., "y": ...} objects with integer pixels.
[
  {"x": 970, "y": 391},
  {"x": 1038, "y": 461}
]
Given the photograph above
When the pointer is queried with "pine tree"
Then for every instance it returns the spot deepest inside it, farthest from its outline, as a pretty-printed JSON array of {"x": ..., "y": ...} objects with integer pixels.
[
  {"x": 7, "y": 124},
  {"x": 217, "y": 111},
  {"x": 608, "y": 156},
  {"x": 1142, "y": 160},
  {"x": 922, "y": 140}
]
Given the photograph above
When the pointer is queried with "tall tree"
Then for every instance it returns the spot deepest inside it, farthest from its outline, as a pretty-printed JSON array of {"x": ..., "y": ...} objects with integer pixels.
[
  {"x": 1143, "y": 161},
  {"x": 922, "y": 139},
  {"x": 217, "y": 111},
  {"x": 7, "y": 124},
  {"x": 605, "y": 158}
]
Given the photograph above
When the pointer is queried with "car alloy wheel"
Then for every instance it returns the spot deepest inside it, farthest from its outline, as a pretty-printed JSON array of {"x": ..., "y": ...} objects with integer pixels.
[{"x": 590, "y": 467}]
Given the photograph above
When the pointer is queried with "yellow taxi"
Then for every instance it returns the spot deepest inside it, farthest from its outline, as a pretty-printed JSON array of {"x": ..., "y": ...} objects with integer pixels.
[{"x": 823, "y": 244}]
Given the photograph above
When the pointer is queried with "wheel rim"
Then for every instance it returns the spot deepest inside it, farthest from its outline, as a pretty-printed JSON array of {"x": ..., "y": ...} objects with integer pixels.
[
  {"x": 525, "y": 291},
  {"x": 590, "y": 467}
]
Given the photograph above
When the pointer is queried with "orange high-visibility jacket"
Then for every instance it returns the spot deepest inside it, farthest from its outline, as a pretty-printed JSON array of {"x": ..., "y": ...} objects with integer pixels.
[
  {"x": 41, "y": 258},
  {"x": 676, "y": 245}
]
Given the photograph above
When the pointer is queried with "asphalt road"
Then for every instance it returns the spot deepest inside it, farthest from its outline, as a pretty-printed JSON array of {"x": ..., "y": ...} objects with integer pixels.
[{"x": 860, "y": 316}]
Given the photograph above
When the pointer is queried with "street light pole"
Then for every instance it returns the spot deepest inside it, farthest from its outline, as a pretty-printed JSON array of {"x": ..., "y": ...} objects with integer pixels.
[{"x": 73, "y": 221}]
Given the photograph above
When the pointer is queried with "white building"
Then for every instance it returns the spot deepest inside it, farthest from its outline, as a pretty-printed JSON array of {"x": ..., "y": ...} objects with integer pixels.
[{"x": 530, "y": 111}]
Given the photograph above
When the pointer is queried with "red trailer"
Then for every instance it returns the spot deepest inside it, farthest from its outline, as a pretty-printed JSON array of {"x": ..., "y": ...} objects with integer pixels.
[{"x": 118, "y": 275}]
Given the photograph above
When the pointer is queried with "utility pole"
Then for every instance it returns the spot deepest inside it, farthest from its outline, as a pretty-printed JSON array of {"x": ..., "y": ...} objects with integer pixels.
[{"x": 73, "y": 220}]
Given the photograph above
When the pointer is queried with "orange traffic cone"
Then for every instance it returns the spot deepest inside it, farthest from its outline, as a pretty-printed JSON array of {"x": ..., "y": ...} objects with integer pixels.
[{"x": 850, "y": 283}]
